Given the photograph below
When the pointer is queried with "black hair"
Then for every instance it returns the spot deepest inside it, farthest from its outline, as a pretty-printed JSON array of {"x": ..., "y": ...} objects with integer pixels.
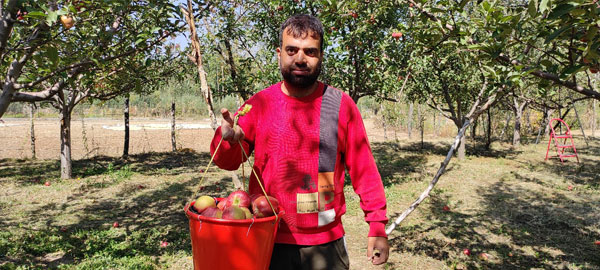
[{"x": 300, "y": 26}]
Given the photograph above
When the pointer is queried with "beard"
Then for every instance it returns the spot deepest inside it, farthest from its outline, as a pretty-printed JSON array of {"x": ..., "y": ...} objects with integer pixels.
[{"x": 300, "y": 81}]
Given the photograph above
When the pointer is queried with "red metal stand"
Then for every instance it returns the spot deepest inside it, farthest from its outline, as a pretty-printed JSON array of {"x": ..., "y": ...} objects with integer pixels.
[{"x": 560, "y": 147}]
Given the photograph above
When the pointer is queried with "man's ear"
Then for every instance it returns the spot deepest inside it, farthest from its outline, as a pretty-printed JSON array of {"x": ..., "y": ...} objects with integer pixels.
[{"x": 278, "y": 50}]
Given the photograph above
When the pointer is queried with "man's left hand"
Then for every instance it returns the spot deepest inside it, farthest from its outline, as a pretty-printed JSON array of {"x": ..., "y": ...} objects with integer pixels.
[{"x": 378, "y": 250}]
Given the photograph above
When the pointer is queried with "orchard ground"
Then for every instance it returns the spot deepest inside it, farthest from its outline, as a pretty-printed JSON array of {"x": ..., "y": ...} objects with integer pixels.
[{"x": 508, "y": 203}]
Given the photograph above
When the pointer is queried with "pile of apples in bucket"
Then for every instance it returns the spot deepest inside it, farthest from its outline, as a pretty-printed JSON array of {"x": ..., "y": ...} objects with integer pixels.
[{"x": 238, "y": 205}]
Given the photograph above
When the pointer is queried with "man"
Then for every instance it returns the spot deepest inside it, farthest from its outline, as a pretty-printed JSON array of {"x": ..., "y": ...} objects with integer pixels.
[{"x": 305, "y": 134}]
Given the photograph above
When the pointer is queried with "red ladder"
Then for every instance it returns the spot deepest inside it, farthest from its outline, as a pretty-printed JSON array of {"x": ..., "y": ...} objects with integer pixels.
[{"x": 560, "y": 147}]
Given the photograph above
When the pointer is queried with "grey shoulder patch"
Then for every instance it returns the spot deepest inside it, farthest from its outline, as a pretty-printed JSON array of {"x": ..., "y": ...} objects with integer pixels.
[{"x": 328, "y": 128}]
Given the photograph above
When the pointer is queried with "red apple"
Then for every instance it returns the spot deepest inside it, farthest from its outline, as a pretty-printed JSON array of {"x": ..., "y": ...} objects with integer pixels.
[
  {"x": 63, "y": 229},
  {"x": 397, "y": 35},
  {"x": 204, "y": 202},
  {"x": 467, "y": 252},
  {"x": 280, "y": 8},
  {"x": 212, "y": 212},
  {"x": 597, "y": 243},
  {"x": 238, "y": 198},
  {"x": 570, "y": 187},
  {"x": 233, "y": 212},
  {"x": 446, "y": 208},
  {"x": 116, "y": 224},
  {"x": 261, "y": 207},
  {"x": 483, "y": 256},
  {"x": 593, "y": 70},
  {"x": 47, "y": 183},
  {"x": 164, "y": 244}
]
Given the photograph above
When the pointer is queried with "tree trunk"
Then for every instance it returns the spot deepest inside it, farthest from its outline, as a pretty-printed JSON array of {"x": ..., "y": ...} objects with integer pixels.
[
  {"x": 66, "y": 169},
  {"x": 383, "y": 121},
  {"x": 474, "y": 129},
  {"x": 594, "y": 118},
  {"x": 518, "y": 110},
  {"x": 32, "y": 130},
  {"x": 421, "y": 118},
  {"x": 548, "y": 118},
  {"x": 196, "y": 57},
  {"x": 126, "y": 128},
  {"x": 461, "y": 148},
  {"x": 505, "y": 127},
  {"x": 173, "y": 142},
  {"x": 410, "y": 118},
  {"x": 489, "y": 130}
]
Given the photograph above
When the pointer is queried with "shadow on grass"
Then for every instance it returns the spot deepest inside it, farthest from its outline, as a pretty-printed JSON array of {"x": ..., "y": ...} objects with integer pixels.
[
  {"x": 147, "y": 217},
  {"x": 517, "y": 227}
]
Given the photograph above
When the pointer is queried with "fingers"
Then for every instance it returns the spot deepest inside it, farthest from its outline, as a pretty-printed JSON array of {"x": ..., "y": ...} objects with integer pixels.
[
  {"x": 377, "y": 250},
  {"x": 228, "y": 131},
  {"x": 226, "y": 116}
]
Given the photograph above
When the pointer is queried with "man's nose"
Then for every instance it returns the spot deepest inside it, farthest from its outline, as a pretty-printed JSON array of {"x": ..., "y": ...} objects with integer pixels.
[{"x": 300, "y": 57}]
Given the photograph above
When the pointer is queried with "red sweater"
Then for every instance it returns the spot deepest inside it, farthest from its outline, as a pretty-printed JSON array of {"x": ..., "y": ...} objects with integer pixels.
[{"x": 302, "y": 147}]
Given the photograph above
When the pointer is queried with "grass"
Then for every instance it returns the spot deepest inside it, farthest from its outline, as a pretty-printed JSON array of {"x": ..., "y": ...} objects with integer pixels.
[{"x": 505, "y": 203}]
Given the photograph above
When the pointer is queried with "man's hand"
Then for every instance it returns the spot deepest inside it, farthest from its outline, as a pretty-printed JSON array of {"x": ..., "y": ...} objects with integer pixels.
[
  {"x": 378, "y": 250},
  {"x": 227, "y": 131}
]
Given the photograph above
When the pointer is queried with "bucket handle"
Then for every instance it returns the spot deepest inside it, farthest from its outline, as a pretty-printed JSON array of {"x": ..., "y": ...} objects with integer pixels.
[{"x": 241, "y": 112}]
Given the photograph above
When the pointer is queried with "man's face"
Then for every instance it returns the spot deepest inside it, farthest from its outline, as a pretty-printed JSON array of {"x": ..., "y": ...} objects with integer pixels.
[{"x": 300, "y": 59}]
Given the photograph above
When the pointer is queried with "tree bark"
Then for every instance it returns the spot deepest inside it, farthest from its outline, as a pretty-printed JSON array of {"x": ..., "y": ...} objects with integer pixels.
[
  {"x": 441, "y": 170},
  {"x": 126, "y": 127},
  {"x": 383, "y": 121},
  {"x": 32, "y": 130},
  {"x": 173, "y": 142},
  {"x": 594, "y": 118},
  {"x": 518, "y": 111},
  {"x": 505, "y": 127},
  {"x": 474, "y": 129},
  {"x": 462, "y": 148},
  {"x": 196, "y": 57},
  {"x": 489, "y": 130},
  {"x": 66, "y": 169},
  {"x": 410, "y": 118}
]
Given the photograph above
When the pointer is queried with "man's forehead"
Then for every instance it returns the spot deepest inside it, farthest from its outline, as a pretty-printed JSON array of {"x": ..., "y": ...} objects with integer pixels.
[{"x": 296, "y": 34}]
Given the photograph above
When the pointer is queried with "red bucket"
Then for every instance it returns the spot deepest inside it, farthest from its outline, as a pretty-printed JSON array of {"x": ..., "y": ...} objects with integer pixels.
[{"x": 231, "y": 244}]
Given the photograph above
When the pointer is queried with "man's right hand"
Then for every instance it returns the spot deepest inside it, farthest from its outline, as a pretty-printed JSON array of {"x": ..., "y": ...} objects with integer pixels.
[{"x": 227, "y": 131}]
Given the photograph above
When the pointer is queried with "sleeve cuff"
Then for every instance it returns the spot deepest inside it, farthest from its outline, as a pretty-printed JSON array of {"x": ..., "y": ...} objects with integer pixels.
[{"x": 377, "y": 229}]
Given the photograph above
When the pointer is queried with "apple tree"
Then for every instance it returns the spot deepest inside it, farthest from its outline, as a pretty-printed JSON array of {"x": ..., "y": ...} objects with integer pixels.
[{"x": 75, "y": 59}]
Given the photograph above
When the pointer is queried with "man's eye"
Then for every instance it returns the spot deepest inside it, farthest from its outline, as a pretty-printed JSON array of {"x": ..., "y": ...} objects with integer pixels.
[
  {"x": 291, "y": 51},
  {"x": 311, "y": 52}
]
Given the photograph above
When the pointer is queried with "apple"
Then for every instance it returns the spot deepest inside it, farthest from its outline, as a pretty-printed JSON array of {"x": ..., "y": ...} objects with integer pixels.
[
  {"x": 47, "y": 183},
  {"x": 221, "y": 204},
  {"x": 204, "y": 202},
  {"x": 233, "y": 212},
  {"x": 247, "y": 212},
  {"x": 63, "y": 229},
  {"x": 446, "y": 208},
  {"x": 467, "y": 252},
  {"x": 597, "y": 243},
  {"x": 483, "y": 256},
  {"x": 164, "y": 244},
  {"x": 212, "y": 212},
  {"x": 397, "y": 35},
  {"x": 261, "y": 207},
  {"x": 116, "y": 225},
  {"x": 238, "y": 198},
  {"x": 280, "y": 8},
  {"x": 570, "y": 187},
  {"x": 67, "y": 21}
]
